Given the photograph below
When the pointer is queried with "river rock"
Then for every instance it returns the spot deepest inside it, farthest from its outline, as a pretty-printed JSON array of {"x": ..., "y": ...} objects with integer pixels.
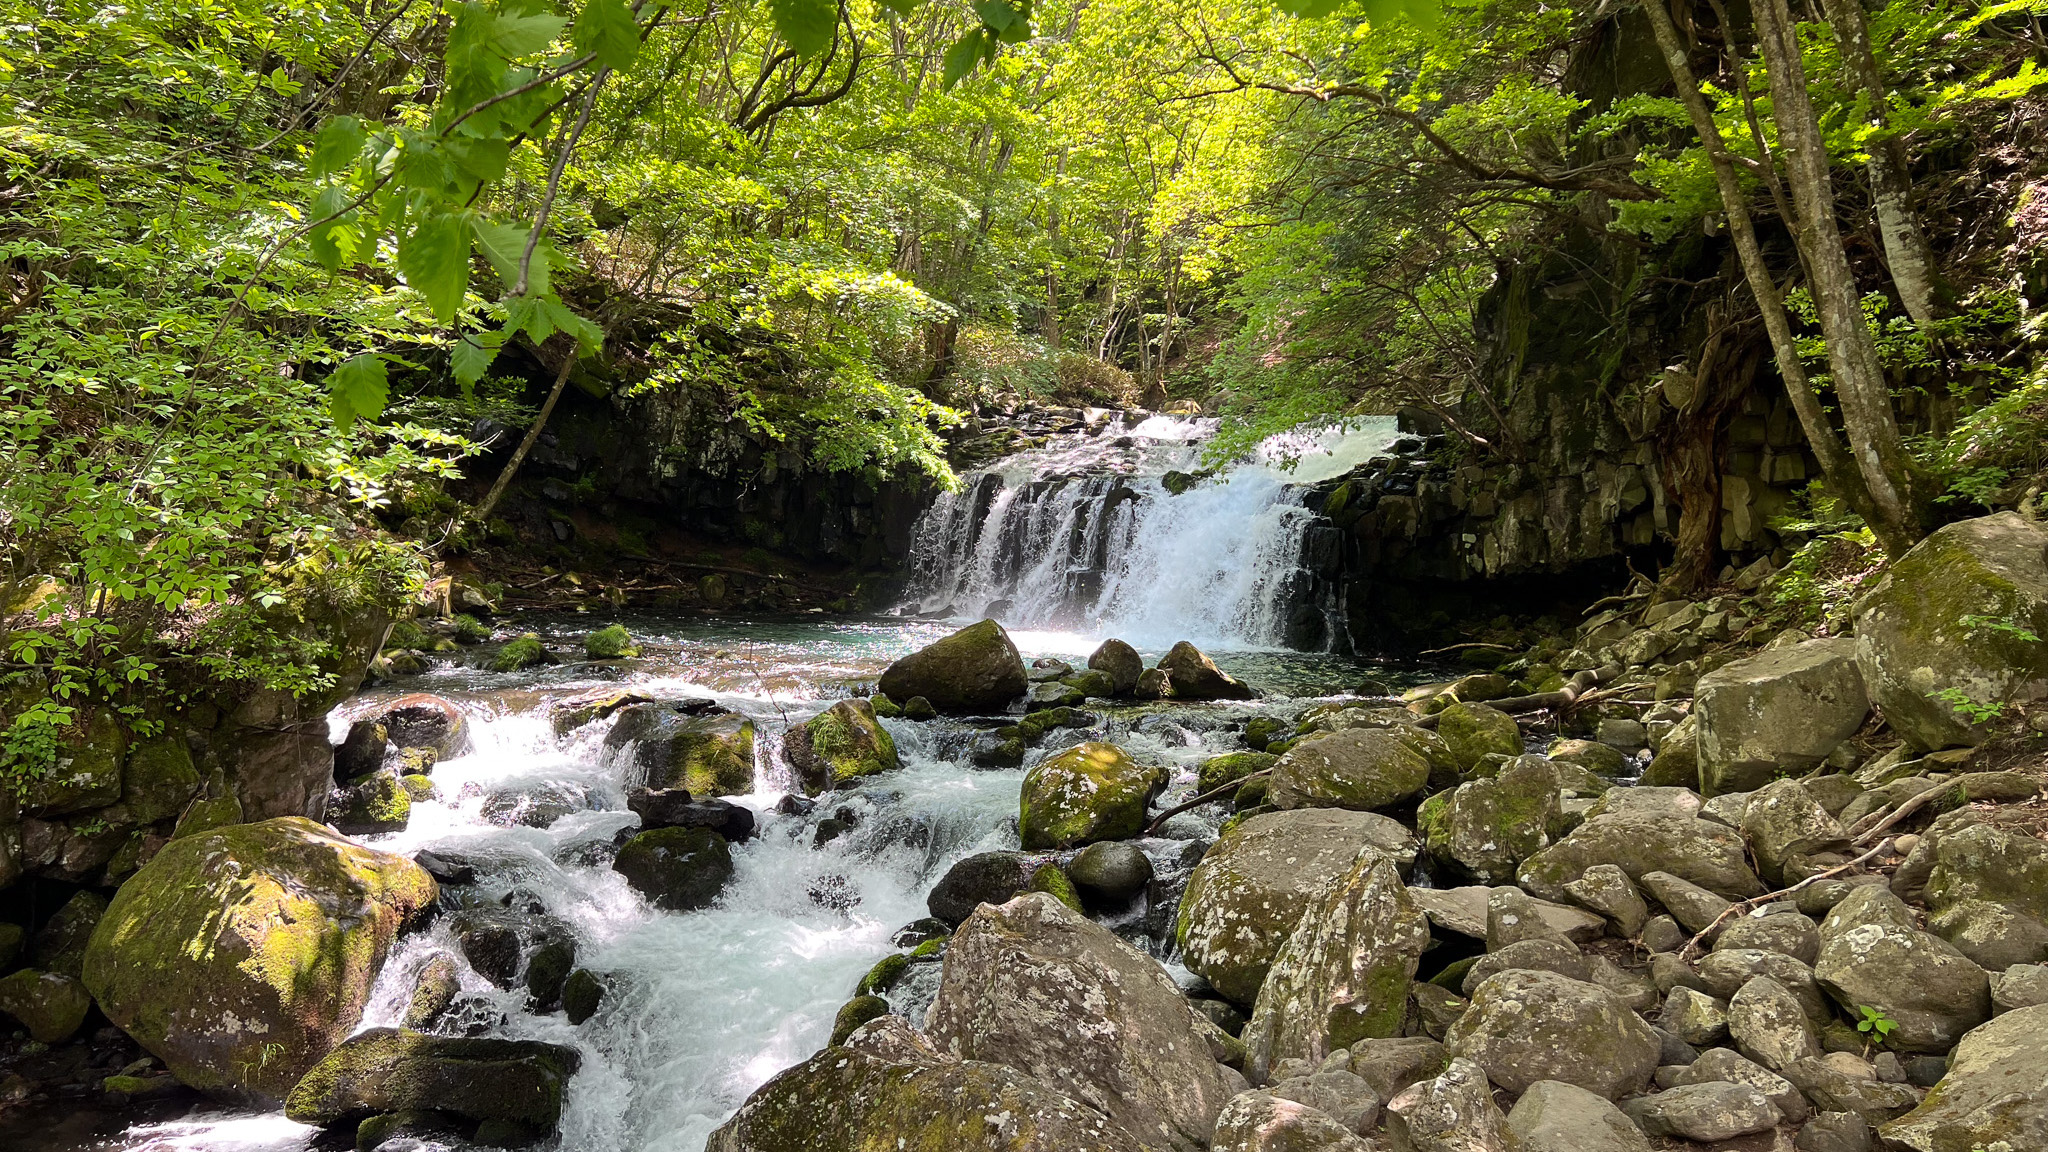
[
  {"x": 1263, "y": 1122},
  {"x": 1603, "y": 760},
  {"x": 1553, "y": 1116},
  {"x": 1915, "y": 636},
  {"x": 1361, "y": 769},
  {"x": 1701, "y": 852},
  {"x": 422, "y": 720},
  {"x": 1834, "y": 1132},
  {"x": 1868, "y": 957},
  {"x": 1996, "y": 1090},
  {"x": 240, "y": 956},
  {"x": 839, "y": 746},
  {"x": 1990, "y": 862},
  {"x": 1724, "y": 1064},
  {"x": 983, "y": 878},
  {"x": 1607, "y": 890},
  {"x": 1452, "y": 1112},
  {"x": 361, "y": 752},
  {"x": 975, "y": 670},
  {"x": 1467, "y": 911},
  {"x": 59, "y": 945},
  {"x": 1033, "y": 985},
  {"x": 1769, "y": 1024},
  {"x": 1677, "y": 762},
  {"x": 50, "y": 1005},
  {"x": 1694, "y": 1017},
  {"x": 1250, "y": 889},
  {"x": 1090, "y": 792},
  {"x": 680, "y": 869},
  {"x": 1833, "y": 1088},
  {"x": 1783, "y": 823},
  {"x": 889, "y": 1081},
  {"x": 371, "y": 805},
  {"x": 676, "y": 808},
  {"x": 1110, "y": 873},
  {"x": 1343, "y": 1096},
  {"x": 1344, "y": 972},
  {"x": 1194, "y": 676},
  {"x": 1713, "y": 1111},
  {"x": 1475, "y": 731},
  {"x": 477, "y": 1078},
  {"x": 1783, "y": 708},
  {"x": 709, "y": 753},
  {"x": 1485, "y": 828},
  {"x": 1788, "y": 932},
  {"x": 1121, "y": 662},
  {"x": 1526, "y": 1026},
  {"x": 1218, "y": 771}
]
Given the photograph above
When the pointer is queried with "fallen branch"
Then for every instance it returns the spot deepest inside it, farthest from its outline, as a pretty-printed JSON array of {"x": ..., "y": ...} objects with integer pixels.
[
  {"x": 1581, "y": 688},
  {"x": 1922, "y": 800},
  {"x": 1744, "y": 907},
  {"x": 1462, "y": 647},
  {"x": 1204, "y": 798}
]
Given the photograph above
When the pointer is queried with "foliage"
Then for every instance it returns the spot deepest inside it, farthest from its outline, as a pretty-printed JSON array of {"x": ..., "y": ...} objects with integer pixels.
[
  {"x": 1875, "y": 1025},
  {"x": 1972, "y": 710}
]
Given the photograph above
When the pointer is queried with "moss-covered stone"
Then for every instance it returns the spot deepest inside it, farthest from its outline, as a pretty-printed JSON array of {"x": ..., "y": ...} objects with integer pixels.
[
  {"x": 1474, "y": 730},
  {"x": 207, "y": 813},
  {"x": 582, "y": 994},
  {"x": 50, "y": 1005},
  {"x": 418, "y": 788},
  {"x": 884, "y": 707},
  {"x": 1260, "y": 730},
  {"x": 680, "y": 869},
  {"x": 854, "y": 1013},
  {"x": 1600, "y": 759},
  {"x": 376, "y": 804},
  {"x": 611, "y": 642},
  {"x": 1487, "y": 827},
  {"x": 60, "y": 945},
  {"x": 839, "y": 746},
  {"x": 1217, "y": 771},
  {"x": 389, "y": 1070},
  {"x": 87, "y": 773},
  {"x": 159, "y": 779},
  {"x": 1677, "y": 763},
  {"x": 884, "y": 975},
  {"x": 1360, "y": 769},
  {"x": 469, "y": 629},
  {"x": 1090, "y": 792},
  {"x": 240, "y": 956},
  {"x": 710, "y": 755},
  {"x": 1091, "y": 682},
  {"x": 523, "y": 652},
  {"x": 1052, "y": 880},
  {"x": 568, "y": 715},
  {"x": 976, "y": 669}
]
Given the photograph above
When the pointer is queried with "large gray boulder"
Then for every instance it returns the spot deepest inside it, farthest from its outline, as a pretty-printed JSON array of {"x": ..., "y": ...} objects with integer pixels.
[
  {"x": 1038, "y": 987},
  {"x": 1932, "y": 624},
  {"x": 1996, "y": 1090},
  {"x": 888, "y": 1084},
  {"x": 1193, "y": 676},
  {"x": 976, "y": 669},
  {"x": 1263, "y": 1122},
  {"x": 1344, "y": 972},
  {"x": 1553, "y": 1116},
  {"x": 1248, "y": 893},
  {"x": 1783, "y": 708},
  {"x": 1473, "y": 732},
  {"x": 1121, "y": 663},
  {"x": 1989, "y": 862},
  {"x": 1701, "y": 852},
  {"x": 1783, "y": 823},
  {"x": 1871, "y": 956},
  {"x": 1525, "y": 1026},
  {"x": 1485, "y": 828},
  {"x": 1710, "y": 1112},
  {"x": 1360, "y": 768}
]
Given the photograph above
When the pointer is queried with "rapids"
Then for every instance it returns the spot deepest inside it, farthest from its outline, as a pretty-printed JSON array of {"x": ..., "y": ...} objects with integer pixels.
[{"x": 708, "y": 1005}]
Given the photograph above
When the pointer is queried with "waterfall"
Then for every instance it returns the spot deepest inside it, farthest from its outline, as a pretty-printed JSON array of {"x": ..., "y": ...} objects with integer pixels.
[{"x": 1108, "y": 530}]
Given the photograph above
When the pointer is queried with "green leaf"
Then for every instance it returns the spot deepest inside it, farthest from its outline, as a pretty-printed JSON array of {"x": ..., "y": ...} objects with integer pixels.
[
  {"x": 995, "y": 14},
  {"x": 338, "y": 143},
  {"x": 524, "y": 314},
  {"x": 471, "y": 357},
  {"x": 961, "y": 58},
  {"x": 806, "y": 24},
  {"x": 900, "y": 7},
  {"x": 607, "y": 29},
  {"x": 434, "y": 259},
  {"x": 357, "y": 390},
  {"x": 589, "y": 335},
  {"x": 333, "y": 241},
  {"x": 480, "y": 158},
  {"x": 503, "y": 245}
]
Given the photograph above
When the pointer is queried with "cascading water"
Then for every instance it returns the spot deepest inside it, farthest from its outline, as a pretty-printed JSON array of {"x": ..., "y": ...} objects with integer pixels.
[{"x": 1106, "y": 530}]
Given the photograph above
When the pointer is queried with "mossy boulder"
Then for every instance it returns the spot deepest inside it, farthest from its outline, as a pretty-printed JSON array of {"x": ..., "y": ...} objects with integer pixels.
[
  {"x": 888, "y": 1088},
  {"x": 1091, "y": 682},
  {"x": 477, "y": 1078},
  {"x": 711, "y": 754},
  {"x": 521, "y": 653},
  {"x": 1995, "y": 1093},
  {"x": 1121, "y": 662},
  {"x": 1958, "y": 612},
  {"x": 839, "y": 746},
  {"x": 87, "y": 773},
  {"x": 582, "y": 993},
  {"x": 976, "y": 669},
  {"x": 1701, "y": 852},
  {"x": 1090, "y": 792},
  {"x": 584, "y": 708},
  {"x": 854, "y": 1013},
  {"x": 49, "y": 1004},
  {"x": 1360, "y": 768},
  {"x": 611, "y": 642},
  {"x": 159, "y": 779},
  {"x": 1677, "y": 763},
  {"x": 1783, "y": 709},
  {"x": 1526, "y": 1026},
  {"x": 61, "y": 942},
  {"x": 240, "y": 956},
  {"x": 1485, "y": 828},
  {"x": 1472, "y": 731},
  {"x": 375, "y": 804},
  {"x": 207, "y": 813},
  {"x": 1050, "y": 879},
  {"x": 1604, "y": 760},
  {"x": 1217, "y": 771},
  {"x": 1193, "y": 676},
  {"x": 679, "y": 869}
]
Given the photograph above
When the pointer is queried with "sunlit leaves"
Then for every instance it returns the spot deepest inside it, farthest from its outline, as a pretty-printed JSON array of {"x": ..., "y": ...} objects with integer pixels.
[
  {"x": 434, "y": 258},
  {"x": 607, "y": 30},
  {"x": 358, "y": 389},
  {"x": 336, "y": 146},
  {"x": 333, "y": 234},
  {"x": 965, "y": 53},
  {"x": 472, "y": 355},
  {"x": 504, "y": 245},
  {"x": 806, "y": 24}
]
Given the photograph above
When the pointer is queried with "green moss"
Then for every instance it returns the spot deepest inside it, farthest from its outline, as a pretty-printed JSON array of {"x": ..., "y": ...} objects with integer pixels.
[
  {"x": 206, "y": 814},
  {"x": 1337, "y": 500},
  {"x": 524, "y": 652},
  {"x": 1091, "y": 682},
  {"x": 1260, "y": 730},
  {"x": 470, "y": 630},
  {"x": 713, "y": 756},
  {"x": 159, "y": 780},
  {"x": 885, "y": 707},
  {"x": 610, "y": 643},
  {"x": 843, "y": 744},
  {"x": 856, "y": 1012},
  {"x": 1217, "y": 771},
  {"x": 419, "y": 788},
  {"x": 1089, "y": 792},
  {"x": 1051, "y": 879},
  {"x": 884, "y": 975},
  {"x": 1251, "y": 794},
  {"x": 407, "y": 634},
  {"x": 929, "y": 950}
]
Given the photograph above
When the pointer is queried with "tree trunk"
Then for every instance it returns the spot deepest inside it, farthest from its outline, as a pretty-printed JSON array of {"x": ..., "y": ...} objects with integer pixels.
[
  {"x": 1836, "y": 467},
  {"x": 547, "y": 408},
  {"x": 1860, "y": 386},
  {"x": 1891, "y": 187}
]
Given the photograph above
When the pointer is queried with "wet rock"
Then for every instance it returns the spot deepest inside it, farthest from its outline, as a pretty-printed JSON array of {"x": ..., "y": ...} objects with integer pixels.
[
  {"x": 889, "y": 1081},
  {"x": 1264, "y": 1122},
  {"x": 421, "y": 720},
  {"x": 1526, "y": 1026},
  {"x": 582, "y": 993},
  {"x": 433, "y": 990},
  {"x": 1453, "y": 1112},
  {"x": 521, "y": 653},
  {"x": 984, "y": 878},
  {"x": 361, "y": 752},
  {"x": 1153, "y": 684},
  {"x": 611, "y": 642},
  {"x": 534, "y": 806},
  {"x": 389, "y": 1070},
  {"x": 1218, "y": 771},
  {"x": 1361, "y": 769},
  {"x": 1033, "y": 985},
  {"x": 1343, "y": 974},
  {"x": 1553, "y": 1116},
  {"x": 1784, "y": 708},
  {"x": 674, "y": 808},
  {"x": 1913, "y": 632},
  {"x": 445, "y": 869},
  {"x": 976, "y": 669},
  {"x": 1871, "y": 956},
  {"x": 548, "y": 970},
  {"x": 1717, "y": 1110},
  {"x": 1474, "y": 731},
  {"x": 568, "y": 714},
  {"x": 491, "y": 944},
  {"x": 707, "y": 754},
  {"x": 679, "y": 869},
  {"x": 1090, "y": 792},
  {"x": 1698, "y": 851},
  {"x": 1110, "y": 873},
  {"x": 239, "y": 956},
  {"x": 1121, "y": 662},
  {"x": 854, "y": 1013},
  {"x": 1193, "y": 676},
  {"x": 1996, "y": 1090},
  {"x": 49, "y": 1004},
  {"x": 1250, "y": 889},
  {"x": 373, "y": 805}
]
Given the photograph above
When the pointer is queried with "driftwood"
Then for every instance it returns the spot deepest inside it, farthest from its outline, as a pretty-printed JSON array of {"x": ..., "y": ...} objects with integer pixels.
[
  {"x": 1159, "y": 822},
  {"x": 1744, "y": 907},
  {"x": 1582, "y": 683}
]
